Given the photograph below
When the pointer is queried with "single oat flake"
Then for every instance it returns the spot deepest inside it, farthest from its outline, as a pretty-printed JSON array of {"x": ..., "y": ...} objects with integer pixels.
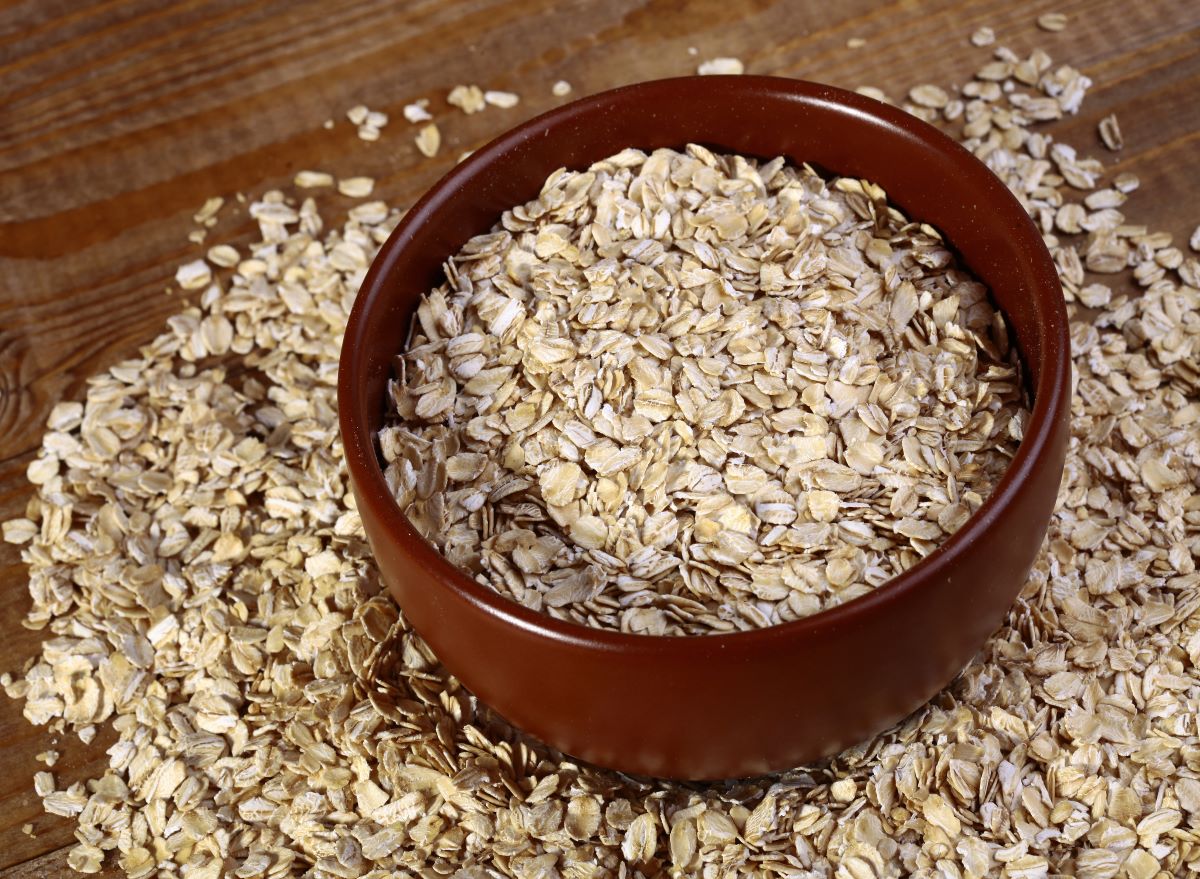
[
  {"x": 312, "y": 179},
  {"x": 193, "y": 275},
  {"x": 223, "y": 255},
  {"x": 930, "y": 96},
  {"x": 428, "y": 140},
  {"x": 504, "y": 100},
  {"x": 1110, "y": 132},
  {"x": 1052, "y": 21},
  {"x": 984, "y": 36},
  {"x": 721, "y": 66},
  {"x": 208, "y": 212},
  {"x": 356, "y": 187},
  {"x": 418, "y": 111},
  {"x": 872, "y": 92}
]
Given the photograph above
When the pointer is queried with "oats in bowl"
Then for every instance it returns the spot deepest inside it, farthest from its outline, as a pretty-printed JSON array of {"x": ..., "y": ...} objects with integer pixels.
[{"x": 685, "y": 393}]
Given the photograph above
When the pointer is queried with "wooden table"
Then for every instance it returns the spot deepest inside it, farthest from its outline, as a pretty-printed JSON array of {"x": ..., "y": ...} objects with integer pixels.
[{"x": 118, "y": 119}]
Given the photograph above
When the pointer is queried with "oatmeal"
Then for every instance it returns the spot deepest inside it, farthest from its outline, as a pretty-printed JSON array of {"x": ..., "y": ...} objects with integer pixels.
[{"x": 683, "y": 393}]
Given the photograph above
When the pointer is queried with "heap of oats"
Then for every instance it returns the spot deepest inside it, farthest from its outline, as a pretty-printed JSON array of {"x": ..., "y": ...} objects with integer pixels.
[
  {"x": 683, "y": 393},
  {"x": 199, "y": 565}
]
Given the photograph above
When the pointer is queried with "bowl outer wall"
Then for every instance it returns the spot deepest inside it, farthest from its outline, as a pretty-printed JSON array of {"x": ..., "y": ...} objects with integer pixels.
[{"x": 749, "y": 702}]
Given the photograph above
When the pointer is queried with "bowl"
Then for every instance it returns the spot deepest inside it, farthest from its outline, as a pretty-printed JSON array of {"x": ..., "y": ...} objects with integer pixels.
[{"x": 746, "y": 703}]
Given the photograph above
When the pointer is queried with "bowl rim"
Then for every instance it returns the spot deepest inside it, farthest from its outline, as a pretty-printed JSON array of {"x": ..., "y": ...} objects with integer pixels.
[{"x": 1051, "y": 395}]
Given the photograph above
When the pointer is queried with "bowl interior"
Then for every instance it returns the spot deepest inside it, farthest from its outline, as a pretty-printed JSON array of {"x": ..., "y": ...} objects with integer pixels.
[{"x": 925, "y": 174}]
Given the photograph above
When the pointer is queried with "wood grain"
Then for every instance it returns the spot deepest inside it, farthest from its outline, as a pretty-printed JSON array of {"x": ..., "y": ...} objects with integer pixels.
[
  {"x": 120, "y": 118},
  {"x": 53, "y": 865}
]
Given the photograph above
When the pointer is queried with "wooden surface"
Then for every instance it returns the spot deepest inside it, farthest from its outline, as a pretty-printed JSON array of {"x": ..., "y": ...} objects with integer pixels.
[{"x": 119, "y": 118}]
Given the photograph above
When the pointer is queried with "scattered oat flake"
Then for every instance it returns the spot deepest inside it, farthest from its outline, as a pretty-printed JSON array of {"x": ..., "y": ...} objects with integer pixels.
[
  {"x": 560, "y": 88},
  {"x": 223, "y": 255},
  {"x": 721, "y": 66},
  {"x": 1194, "y": 241},
  {"x": 19, "y": 530},
  {"x": 313, "y": 179},
  {"x": 502, "y": 99},
  {"x": 209, "y": 210},
  {"x": 417, "y": 111},
  {"x": 855, "y": 43},
  {"x": 429, "y": 140},
  {"x": 369, "y": 122},
  {"x": 1052, "y": 21},
  {"x": 984, "y": 36},
  {"x": 468, "y": 98},
  {"x": 193, "y": 275},
  {"x": 844, "y": 790},
  {"x": 929, "y": 96},
  {"x": 356, "y": 187},
  {"x": 1110, "y": 132},
  {"x": 1126, "y": 182}
]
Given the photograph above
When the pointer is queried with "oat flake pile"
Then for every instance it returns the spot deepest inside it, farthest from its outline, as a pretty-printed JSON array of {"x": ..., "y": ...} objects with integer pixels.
[
  {"x": 682, "y": 393},
  {"x": 200, "y": 568}
]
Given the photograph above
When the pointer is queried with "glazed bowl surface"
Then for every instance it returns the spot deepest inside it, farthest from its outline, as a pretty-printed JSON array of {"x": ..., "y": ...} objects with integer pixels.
[{"x": 750, "y": 702}]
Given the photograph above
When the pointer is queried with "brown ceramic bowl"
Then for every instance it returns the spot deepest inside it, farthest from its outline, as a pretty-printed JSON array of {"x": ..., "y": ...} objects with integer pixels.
[{"x": 751, "y": 702}]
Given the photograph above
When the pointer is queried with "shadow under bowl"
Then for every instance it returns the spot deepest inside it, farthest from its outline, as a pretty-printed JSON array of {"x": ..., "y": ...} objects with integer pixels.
[{"x": 750, "y": 702}]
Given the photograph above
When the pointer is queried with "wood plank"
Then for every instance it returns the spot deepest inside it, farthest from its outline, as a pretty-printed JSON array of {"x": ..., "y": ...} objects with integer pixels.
[
  {"x": 54, "y": 865},
  {"x": 122, "y": 116}
]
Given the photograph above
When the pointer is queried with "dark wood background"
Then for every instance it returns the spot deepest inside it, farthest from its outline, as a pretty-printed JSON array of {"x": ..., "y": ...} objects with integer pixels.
[{"x": 119, "y": 118}]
